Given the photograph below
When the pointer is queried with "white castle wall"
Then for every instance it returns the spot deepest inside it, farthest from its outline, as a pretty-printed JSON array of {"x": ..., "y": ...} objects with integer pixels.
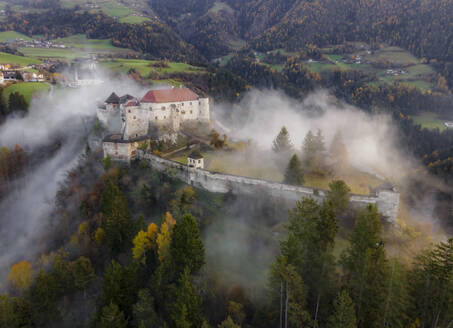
[{"x": 386, "y": 201}]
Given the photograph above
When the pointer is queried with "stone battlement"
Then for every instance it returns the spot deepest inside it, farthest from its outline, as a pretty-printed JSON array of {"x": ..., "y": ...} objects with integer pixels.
[{"x": 387, "y": 201}]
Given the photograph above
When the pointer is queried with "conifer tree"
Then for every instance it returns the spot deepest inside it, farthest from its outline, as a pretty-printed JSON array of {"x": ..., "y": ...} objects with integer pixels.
[
  {"x": 338, "y": 195},
  {"x": 282, "y": 143},
  {"x": 365, "y": 268},
  {"x": 17, "y": 102},
  {"x": 294, "y": 173},
  {"x": 309, "y": 148},
  {"x": 431, "y": 286},
  {"x": 338, "y": 151},
  {"x": 144, "y": 312},
  {"x": 117, "y": 224},
  {"x": 186, "y": 310},
  {"x": 309, "y": 246},
  {"x": 112, "y": 317},
  {"x": 186, "y": 247},
  {"x": 343, "y": 315}
]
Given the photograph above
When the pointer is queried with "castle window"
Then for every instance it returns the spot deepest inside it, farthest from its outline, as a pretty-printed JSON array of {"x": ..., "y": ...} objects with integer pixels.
[
  {"x": 165, "y": 117},
  {"x": 190, "y": 112},
  {"x": 129, "y": 110},
  {"x": 116, "y": 153},
  {"x": 190, "y": 103},
  {"x": 183, "y": 112},
  {"x": 155, "y": 118},
  {"x": 134, "y": 117},
  {"x": 199, "y": 161},
  {"x": 163, "y": 108},
  {"x": 182, "y": 104}
]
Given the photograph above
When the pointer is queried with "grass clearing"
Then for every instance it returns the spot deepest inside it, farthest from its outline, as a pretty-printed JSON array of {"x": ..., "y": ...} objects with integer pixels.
[
  {"x": 115, "y": 9},
  {"x": 133, "y": 19},
  {"x": 144, "y": 67},
  {"x": 80, "y": 41},
  {"x": 6, "y": 58},
  {"x": 12, "y": 35},
  {"x": 68, "y": 54},
  {"x": 26, "y": 89},
  {"x": 429, "y": 121}
]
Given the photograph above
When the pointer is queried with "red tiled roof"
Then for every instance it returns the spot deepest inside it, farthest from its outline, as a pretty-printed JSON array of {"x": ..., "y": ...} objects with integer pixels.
[{"x": 169, "y": 95}]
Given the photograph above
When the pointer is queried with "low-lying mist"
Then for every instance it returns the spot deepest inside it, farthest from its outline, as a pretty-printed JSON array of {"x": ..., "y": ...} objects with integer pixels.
[
  {"x": 59, "y": 123},
  {"x": 370, "y": 139}
]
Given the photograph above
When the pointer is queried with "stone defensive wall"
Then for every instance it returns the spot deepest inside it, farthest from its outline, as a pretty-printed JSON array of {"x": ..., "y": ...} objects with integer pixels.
[{"x": 386, "y": 200}]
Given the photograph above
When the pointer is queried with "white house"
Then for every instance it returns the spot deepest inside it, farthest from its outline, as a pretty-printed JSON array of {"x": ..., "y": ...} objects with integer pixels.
[{"x": 195, "y": 159}]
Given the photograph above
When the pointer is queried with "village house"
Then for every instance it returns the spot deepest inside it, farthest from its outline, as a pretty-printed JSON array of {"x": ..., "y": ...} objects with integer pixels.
[
  {"x": 2, "y": 79},
  {"x": 10, "y": 76},
  {"x": 158, "y": 115},
  {"x": 33, "y": 77},
  {"x": 195, "y": 160}
]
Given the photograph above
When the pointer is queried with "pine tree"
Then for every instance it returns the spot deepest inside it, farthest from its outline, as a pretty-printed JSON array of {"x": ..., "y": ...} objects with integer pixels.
[
  {"x": 82, "y": 273},
  {"x": 319, "y": 142},
  {"x": 282, "y": 143},
  {"x": 343, "y": 315},
  {"x": 431, "y": 286},
  {"x": 339, "y": 195},
  {"x": 186, "y": 247},
  {"x": 186, "y": 310},
  {"x": 112, "y": 317},
  {"x": 309, "y": 246},
  {"x": 365, "y": 268},
  {"x": 338, "y": 151},
  {"x": 17, "y": 102},
  {"x": 294, "y": 173},
  {"x": 144, "y": 312},
  {"x": 117, "y": 224},
  {"x": 309, "y": 149}
]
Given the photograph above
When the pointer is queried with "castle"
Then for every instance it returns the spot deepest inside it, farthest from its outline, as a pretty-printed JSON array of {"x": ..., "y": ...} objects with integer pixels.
[{"x": 158, "y": 115}]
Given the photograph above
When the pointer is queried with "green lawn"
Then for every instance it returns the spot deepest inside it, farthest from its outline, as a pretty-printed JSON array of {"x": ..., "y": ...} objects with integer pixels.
[
  {"x": 68, "y": 54},
  {"x": 26, "y": 89},
  {"x": 395, "y": 55},
  {"x": 132, "y": 19},
  {"x": 80, "y": 41},
  {"x": 318, "y": 67},
  {"x": 115, "y": 9},
  {"x": 17, "y": 60},
  {"x": 4, "y": 36},
  {"x": 429, "y": 121},
  {"x": 144, "y": 67}
]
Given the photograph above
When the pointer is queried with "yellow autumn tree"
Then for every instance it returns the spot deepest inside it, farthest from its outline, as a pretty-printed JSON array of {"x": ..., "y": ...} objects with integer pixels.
[
  {"x": 141, "y": 244},
  {"x": 152, "y": 231},
  {"x": 164, "y": 237},
  {"x": 20, "y": 276}
]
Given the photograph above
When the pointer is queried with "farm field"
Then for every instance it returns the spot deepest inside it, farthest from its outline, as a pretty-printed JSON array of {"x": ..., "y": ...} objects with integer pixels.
[
  {"x": 388, "y": 64},
  {"x": 26, "y": 89},
  {"x": 80, "y": 41},
  {"x": 126, "y": 13},
  {"x": 67, "y": 54},
  {"x": 12, "y": 35},
  {"x": 144, "y": 67},
  {"x": 6, "y": 58},
  {"x": 133, "y": 19},
  {"x": 429, "y": 121}
]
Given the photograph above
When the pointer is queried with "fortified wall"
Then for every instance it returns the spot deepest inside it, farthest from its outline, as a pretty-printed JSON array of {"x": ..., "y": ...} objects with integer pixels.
[{"x": 387, "y": 201}]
